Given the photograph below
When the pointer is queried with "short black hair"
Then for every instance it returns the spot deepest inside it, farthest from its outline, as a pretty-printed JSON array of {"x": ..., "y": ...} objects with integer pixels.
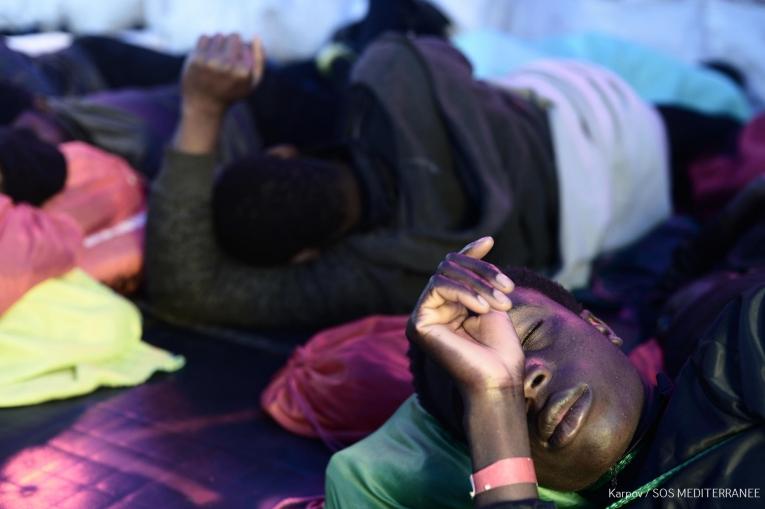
[
  {"x": 524, "y": 277},
  {"x": 436, "y": 390},
  {"x": 32, "y": 170},
  {"x": 266, "y": 209},
  {"x": 14, "y": 100}
]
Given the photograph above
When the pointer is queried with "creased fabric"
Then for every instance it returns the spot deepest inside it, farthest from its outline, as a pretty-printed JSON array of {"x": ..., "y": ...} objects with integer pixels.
[
  {"x": 101, "y": 189},
  {"x": 106, "y": 197},
  {"x": 410, "y": 462},
  {"x": 611, "y": 157},
  {"x": 344, "y": 383},
  {"x": 34, "y": 246},
  {"x": 70, "y": 335}
]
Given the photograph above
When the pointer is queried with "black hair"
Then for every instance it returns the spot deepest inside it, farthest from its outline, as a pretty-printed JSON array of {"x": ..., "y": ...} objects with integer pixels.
[
  {"x": 13, "y": 101},
  {"x": 267, "y": 209},
  {"x": 527, "y": 278},
  {"x": 32, "y": 170},
  {"x": 435, "y": 389}
]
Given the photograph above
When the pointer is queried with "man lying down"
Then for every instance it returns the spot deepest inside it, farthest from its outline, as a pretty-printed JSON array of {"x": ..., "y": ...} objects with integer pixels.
[{"x": 519, "y": 386}]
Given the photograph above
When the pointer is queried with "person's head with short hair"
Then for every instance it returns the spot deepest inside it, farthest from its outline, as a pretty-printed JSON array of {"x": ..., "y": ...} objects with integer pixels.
[
  {"x": 584, "y": 397},
  {"x": 31, "y": 170},
  {"x": 272, "y": 210},
  {"x": 13, "y": 101}
]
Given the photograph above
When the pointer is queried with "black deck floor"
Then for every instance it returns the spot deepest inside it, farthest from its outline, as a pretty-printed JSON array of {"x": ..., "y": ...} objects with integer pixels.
[{"x": 195, "y": 438}]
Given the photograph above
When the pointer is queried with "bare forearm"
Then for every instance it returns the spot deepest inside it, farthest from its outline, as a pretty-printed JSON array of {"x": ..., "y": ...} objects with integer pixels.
[
  {"x": 198, "y": 129},
  {"x": 496, "y": 428}
]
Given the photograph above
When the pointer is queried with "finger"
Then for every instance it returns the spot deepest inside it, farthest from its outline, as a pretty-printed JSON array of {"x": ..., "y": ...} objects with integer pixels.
[
  {"x": 258, "y": 60},
  {"x": 200, "y": 50},
  {"x": 231, "y": 48},
  {"x": 448, "y": 349},
  {"x": 245, "y": 59},
  {"x": 214, "y": 48},
  {"x": 217, "y": 43},
  {"x": 489, "y": 272},
  {"x": 444, "y": 289},
  {"x": 203, "y": 42},
  {"x": 478, "y": 248},
  {"x": 472, "y": 280},
  {"x": 495, "y": 330}
]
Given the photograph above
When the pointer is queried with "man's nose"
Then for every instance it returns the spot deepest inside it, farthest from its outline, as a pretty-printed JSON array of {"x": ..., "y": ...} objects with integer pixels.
[{"x": 535, "y": 384}]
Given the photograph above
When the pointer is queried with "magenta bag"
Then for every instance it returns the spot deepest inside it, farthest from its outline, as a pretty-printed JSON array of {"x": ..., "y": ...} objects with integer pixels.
[{"x": 344, "y": 383}]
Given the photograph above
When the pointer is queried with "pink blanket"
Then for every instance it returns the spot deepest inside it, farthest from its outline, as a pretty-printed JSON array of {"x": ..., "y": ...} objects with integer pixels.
[
  {"x": 101, "y": 189},
  {"x": 34, "y": 246},
  {"x": 106, "y": 197}
]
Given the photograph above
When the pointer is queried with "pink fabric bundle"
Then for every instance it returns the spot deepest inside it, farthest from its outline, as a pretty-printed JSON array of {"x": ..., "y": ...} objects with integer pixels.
[
  {"x": 344, "y": 383},
  {"x": 114, "y": 255},
  {"x": 107, "y": 199},
  {"x": 715, "y": 180},
  {"x": 348, "y": 380},
  {"x": 101, "y": 189},
  {"x": 34, "y": 246}
]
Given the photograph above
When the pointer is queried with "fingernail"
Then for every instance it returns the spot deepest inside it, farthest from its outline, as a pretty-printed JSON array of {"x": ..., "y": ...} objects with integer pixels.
[
  {"x": 504, "y": 281},
  {"x": 501, "y": 297},
  {"x": 482, "y": 301}
]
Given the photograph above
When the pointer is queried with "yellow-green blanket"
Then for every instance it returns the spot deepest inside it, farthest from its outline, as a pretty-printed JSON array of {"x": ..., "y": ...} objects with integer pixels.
[{"x": 70, "y": 335}]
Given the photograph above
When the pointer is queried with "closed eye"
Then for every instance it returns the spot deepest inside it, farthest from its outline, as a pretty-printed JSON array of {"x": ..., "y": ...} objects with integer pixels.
[{"x": 530, "y": 333}]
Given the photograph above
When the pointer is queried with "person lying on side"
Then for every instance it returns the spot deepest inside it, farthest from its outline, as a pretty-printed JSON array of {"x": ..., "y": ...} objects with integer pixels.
[
  {"x": 548, "y": 405},
  {"x": 429, "y": 158}
]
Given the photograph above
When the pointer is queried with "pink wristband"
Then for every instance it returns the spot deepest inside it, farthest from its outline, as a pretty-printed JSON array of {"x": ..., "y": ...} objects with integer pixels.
[{"x": 503, "y": 473}]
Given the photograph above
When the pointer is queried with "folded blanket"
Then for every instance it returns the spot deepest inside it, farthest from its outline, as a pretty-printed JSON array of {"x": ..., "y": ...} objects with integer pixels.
[
  {"x": 70, "y": 335},
  {"x": 34, "y": 246}
]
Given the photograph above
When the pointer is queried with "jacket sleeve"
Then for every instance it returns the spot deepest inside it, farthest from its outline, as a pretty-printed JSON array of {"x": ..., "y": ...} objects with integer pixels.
[
  {"x": 191, "y": 279},
  {"x": 737, "y": 344},
  {"x": 725, "y": 376}
]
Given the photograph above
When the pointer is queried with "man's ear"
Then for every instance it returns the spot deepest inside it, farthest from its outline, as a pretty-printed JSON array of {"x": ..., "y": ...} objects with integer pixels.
[{"x": 602, "y": 327}]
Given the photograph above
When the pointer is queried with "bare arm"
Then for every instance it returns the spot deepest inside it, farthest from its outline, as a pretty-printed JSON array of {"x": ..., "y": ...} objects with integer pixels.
[
  {"x": 219, "y": 71},
  {"x": 461, "y": 321},
  {"x": 188, "y": 276}
]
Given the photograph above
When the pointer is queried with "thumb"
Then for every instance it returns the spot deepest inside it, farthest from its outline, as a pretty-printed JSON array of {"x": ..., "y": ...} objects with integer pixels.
[{"x": 495, "y": 330}]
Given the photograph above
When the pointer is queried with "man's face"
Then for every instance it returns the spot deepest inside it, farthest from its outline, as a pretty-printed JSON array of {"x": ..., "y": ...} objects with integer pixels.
[{"x": 584, "y": 397}]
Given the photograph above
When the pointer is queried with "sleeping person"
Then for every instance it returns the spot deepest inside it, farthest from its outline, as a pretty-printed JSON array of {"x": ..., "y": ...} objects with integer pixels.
[
  {"x": 558, "y": 162},
  {"x": 521, "y": 387}
]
